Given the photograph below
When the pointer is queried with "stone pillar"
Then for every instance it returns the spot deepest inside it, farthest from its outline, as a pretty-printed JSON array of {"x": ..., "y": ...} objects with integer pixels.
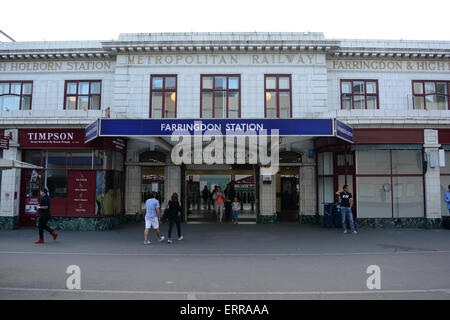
[
  {"x": 267, "y": 201},
  {"x": 10, "y": 190},
  {"x": 172, "y": 183},
  {"x": 133, "y": 190},
  {"x": 308, "y": 196},
  {"x": 432, "y": 180}
]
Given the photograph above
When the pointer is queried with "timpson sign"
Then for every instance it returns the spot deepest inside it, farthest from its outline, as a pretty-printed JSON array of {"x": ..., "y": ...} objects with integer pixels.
[
  {"x": 389, "y": 65},
  {"x": 51, "y": 138}
]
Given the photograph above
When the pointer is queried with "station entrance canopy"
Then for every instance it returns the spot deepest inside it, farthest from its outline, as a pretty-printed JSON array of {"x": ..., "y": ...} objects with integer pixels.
[{"x": 165, "y": 127}]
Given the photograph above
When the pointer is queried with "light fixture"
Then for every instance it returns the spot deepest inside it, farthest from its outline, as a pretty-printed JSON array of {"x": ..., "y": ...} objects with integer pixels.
[
  {"x": 172, "y": 96},
  {"x": 268, "y": 96}
]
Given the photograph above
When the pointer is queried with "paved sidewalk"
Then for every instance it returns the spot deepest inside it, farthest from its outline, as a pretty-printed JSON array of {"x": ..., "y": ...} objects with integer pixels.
[{"x": 228, "y": 261}]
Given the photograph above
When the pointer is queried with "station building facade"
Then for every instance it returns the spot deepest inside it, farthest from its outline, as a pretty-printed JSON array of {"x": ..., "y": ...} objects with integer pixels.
[{"x": 95, "y": 117}]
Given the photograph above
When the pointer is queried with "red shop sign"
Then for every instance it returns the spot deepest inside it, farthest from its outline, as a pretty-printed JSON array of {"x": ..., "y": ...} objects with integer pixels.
[{"x": 51, "y": 138}]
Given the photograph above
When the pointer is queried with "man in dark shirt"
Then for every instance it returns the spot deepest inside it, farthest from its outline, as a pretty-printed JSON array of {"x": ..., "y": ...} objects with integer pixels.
[
  {"x": 44, "y": 216},
  {"x": 346, "y": 208}
]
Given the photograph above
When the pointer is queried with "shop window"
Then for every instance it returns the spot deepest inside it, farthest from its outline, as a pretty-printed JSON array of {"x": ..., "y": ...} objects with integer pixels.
[
  {"x": 278, "y": 96},
  {"x": 82, "y": 95},
  {"x": 163, "y": 96},
  {"x": 54, "y": 159},
  {"x": 15, "y": 95},
  {"x": 33, "y": 157},
  {"x": 220, "y": 96},
  {"x": 431, "y": 95},
  {"x": 81, "y": 159},
  {"x": 56, "y": 182},
  {"x": 325, "y": 179},
  {"x": 445, "y": 182},
  {"x": 118, "y": 163},
  {"x": 359, "y": 94},
  {"x": 390, "y": 184}
]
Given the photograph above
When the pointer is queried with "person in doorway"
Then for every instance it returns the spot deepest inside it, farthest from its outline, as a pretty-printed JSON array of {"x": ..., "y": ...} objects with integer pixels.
[
  {"x": 346, "y": 208},
  {"x": 219, "y": 200},
  {"x": 44, "y": 216},
  {"x": 229, "y": 195},
  {"x": 152, "y": 218},
  {"x": 447, "y": 198},
  {"x": 206, "y": 195},
  {"x": 173, "y": 214},
  {"x": 235, "y": 207}
]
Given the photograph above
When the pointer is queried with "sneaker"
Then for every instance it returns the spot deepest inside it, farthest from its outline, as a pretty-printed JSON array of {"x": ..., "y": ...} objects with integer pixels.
[
  {"x": 161, "y": 239},
  {"x": 345, "y": 231},
  {"x": 169, "y": 241},
  {"x": 54, "y": 235},
  {"x": 180, "y": 238},
  {"x": 147, "y": 241},
  {"x": 354, "y": 232},
  {"x": 39, "y": 241}
]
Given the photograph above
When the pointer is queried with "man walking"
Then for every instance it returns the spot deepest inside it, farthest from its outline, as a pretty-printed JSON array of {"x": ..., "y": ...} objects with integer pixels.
[
  {"x": 447, "y": 198},
  {"x": 346, "y": 208},
  {"x": 44, "y": 216},
  {"x": 152, "y": 218}
]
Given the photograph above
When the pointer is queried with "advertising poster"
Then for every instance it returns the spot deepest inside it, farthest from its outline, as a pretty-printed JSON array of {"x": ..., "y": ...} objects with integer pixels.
[{"x": 81, "y": 192}]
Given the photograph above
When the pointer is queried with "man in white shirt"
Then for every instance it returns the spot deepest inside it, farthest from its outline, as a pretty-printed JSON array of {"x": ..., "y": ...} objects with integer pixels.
[{"x": 152, "y": 218}]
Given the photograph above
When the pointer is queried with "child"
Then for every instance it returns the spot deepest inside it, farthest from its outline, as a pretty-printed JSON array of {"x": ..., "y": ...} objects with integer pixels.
[{"x": 235, "y": 206}]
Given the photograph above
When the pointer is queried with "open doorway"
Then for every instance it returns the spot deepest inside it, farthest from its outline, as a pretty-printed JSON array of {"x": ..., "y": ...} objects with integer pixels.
[{"x": 288, "y": 194}]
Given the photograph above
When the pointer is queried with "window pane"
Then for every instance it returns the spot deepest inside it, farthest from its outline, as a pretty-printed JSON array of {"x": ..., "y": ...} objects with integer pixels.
[
  {"x": 320, "y": 163},
  {"x": 429, "y": 87},
  {"x": 373, "y": 162},
  {"x": 16, "y": 87},
  {"x": 233, "y": 83},
  {"x": 83, "y": 102},
  {"x": 108, "y": 159},
  {"x": 156, "y": 104},
  {"x": 26, "y": 88},
  {"x": 419, "y": 103},
  {"x": 446, "y": 169},
  {"x": 95, "y": 87},
  {"x": 119, "y": 161},
  {"x": 346, "y": 87},
  {"x": 371, "y": 87},
  {"x": 441, "y": 87},
  {"x": 359, "y": 102},
  {"x": 10, "y": 102},
  {"x": 33, "y": 157},
  {"x": 233, "y": 104},
  {"x": 207, "y": 82},
  {"x": 347, "y": 102},
  {"x": 328, "y": 163},
  {"x": 284, "y": 83},
  {"x": 436, "y": 102},
  {"x": 271, "y": 83},
  {"x": 4, "y": 88},
  {"x": 171, "y": 82},
  {"x": 418, "y": 88},
  {"x": 54, "y": 159},
  {"x": 56, "y": 182},
  {"x": 26, "y": 103},
  {"x": 83, "y": 88},
  {"x": 72, "y": 88},
  {"x": 207, "y": 104},
  {"x": 95, "y": 103},
  {"x": 71, "y": 103},
  {"x": 408, "y": 197},
  {"x": 220, "y": 83},
  {"x": 358, "y": 87},
  {"x": 371, "y": 102},
  {"x": 82, "y": 159},
  {"x": 271, "y": 104},
  {"x": 169, "y": 111},
  {"x": 285, "y": 105},
  {"x": 157, "y": 83},
  {"x": 219, "y": 104},
  {"x": 374, "y": 197},
  {"x": 407, "y": 162}
]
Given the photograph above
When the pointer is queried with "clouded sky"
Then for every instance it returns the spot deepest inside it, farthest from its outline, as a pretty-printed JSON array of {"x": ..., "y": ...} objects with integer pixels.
[{"x": 38, "y": 20}]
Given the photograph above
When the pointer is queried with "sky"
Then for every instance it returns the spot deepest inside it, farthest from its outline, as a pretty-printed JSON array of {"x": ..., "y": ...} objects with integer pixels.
[{"x": 50, "y": 20}]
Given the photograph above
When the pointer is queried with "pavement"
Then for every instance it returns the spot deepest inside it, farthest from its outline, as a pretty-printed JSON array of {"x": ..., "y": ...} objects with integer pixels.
[{"x": 228, "y": 262}]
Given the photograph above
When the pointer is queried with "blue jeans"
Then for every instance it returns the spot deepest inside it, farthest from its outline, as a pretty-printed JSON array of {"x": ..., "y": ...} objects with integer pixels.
[
  {"x": 347, "y": 211},
  {"x": 178, "y": 224},
  {"x": 235, "y": 215}
]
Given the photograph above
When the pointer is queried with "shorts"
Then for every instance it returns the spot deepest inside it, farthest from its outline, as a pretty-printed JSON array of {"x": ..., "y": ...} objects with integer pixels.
[{"x": 151, "y": 223}]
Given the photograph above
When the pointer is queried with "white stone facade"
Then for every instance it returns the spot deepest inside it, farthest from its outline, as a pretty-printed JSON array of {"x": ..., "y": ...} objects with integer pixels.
[{"x": 315, "y": 63}]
